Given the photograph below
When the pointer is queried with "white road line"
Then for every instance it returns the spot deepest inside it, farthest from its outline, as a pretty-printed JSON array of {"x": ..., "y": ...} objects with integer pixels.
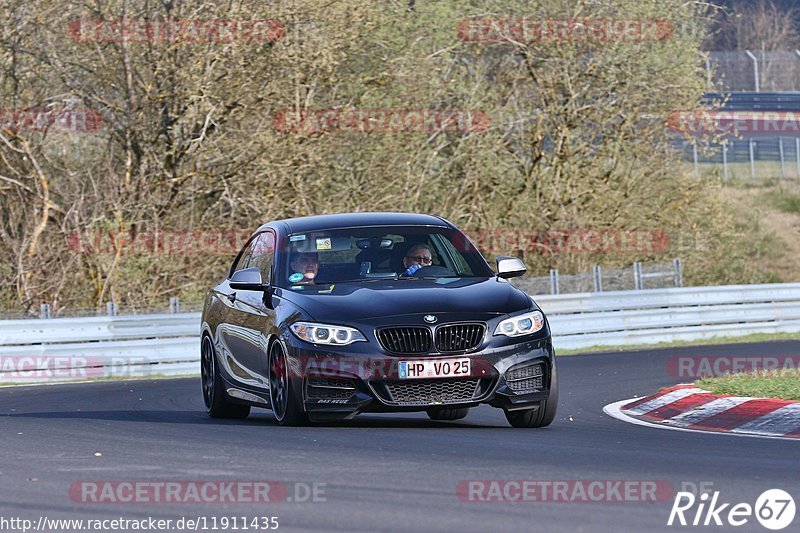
[
  {"x": 707, "y": 410},
  {"x": 780, "y": 421},
  {"x": 663, "y": 400}
]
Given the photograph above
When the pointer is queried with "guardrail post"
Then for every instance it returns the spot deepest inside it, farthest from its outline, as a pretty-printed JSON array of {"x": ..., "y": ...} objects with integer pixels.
[
  {"x": 111, "y": 309},
  {"x": 752, "y": 158},
  {"x": 598, "y": 279},
  {"x": 678, "y": 272},
  {"x": 174, "y": 305},
  {"x": 797, "y": 154},
  {"x": 44, "y": 311},
  {"x": 783, "y": 161},
  {"x": 637, "y": 276},
  {"x": 553, "y": 281},
  {"x": 725, "y": 158}
]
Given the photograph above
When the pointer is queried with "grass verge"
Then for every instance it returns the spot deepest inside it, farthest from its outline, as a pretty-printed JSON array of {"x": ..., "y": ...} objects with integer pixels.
[{"x": 783, "y": 384}]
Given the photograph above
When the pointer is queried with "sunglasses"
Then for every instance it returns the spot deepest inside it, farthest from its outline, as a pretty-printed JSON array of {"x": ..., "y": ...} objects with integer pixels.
[{"x": 419, "y": 259}]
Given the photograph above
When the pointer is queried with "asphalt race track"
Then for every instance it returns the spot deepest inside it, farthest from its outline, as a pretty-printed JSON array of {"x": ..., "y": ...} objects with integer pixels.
[{"x": 382, "y": 472}]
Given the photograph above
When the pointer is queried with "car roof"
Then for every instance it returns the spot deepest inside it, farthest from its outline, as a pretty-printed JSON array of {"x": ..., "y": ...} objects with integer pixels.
[{"x": 344, "y": 220}]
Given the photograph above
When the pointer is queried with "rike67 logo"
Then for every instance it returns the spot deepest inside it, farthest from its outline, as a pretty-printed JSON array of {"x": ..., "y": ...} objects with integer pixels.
[{"x": 774, "y": 509}]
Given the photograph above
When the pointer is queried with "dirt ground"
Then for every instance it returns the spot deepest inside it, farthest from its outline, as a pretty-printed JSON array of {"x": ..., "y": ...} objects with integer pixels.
[{"x": 783, "y": 225}]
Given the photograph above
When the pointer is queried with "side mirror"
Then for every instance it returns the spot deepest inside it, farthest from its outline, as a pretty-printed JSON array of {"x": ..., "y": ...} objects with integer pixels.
[
  {"x": 509, "y": 267},
  {"x": 248, "y": 279}
]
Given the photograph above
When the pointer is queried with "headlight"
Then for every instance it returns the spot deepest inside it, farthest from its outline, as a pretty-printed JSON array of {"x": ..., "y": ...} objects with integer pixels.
[
  {"x": 325, "y": 334},
  {"x": 521, "y": 325}
]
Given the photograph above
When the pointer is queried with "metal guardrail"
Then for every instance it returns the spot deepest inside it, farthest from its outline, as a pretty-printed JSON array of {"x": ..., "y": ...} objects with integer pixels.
[
  {"x": 664, "y": 315},
  {"x": 169, "y": 344},
  {"x": 97, "y": 328},
  {"x": 752, "y": 101}
]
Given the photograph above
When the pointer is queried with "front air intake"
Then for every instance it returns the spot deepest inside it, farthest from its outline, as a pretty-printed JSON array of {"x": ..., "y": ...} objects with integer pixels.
[{"x": 526, "y": 378}]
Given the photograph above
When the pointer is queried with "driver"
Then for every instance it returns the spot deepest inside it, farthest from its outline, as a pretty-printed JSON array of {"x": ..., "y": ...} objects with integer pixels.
[
  {"x": 418, "y": 256},
  {"x": 304, "y": 267}
]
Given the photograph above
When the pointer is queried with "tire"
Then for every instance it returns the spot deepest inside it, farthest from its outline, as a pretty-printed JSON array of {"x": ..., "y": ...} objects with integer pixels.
[
  {"x": 447, "y": 413},
  {"x": 283, "y": 397},
  {"x": 218, "y": 405},
  {"x": 541, "y": 416}
]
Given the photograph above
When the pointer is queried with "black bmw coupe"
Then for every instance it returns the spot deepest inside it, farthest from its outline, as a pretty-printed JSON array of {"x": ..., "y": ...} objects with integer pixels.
[{"x": 325, "y": 317}]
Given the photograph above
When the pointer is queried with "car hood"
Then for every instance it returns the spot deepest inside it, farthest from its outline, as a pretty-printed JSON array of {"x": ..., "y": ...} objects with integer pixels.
[{"x": 454, "y": 298}]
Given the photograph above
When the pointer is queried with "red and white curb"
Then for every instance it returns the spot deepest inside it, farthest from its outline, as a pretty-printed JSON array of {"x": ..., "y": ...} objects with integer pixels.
[{"x": 688, "y": 408}]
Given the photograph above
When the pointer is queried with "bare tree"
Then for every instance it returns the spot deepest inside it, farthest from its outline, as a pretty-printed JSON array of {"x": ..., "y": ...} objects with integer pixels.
[
  {"x": 758, "y": 25},
  {"x": 189, "y": 139}
]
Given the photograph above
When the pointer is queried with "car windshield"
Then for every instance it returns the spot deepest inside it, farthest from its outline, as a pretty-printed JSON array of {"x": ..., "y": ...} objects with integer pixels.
[{"x": 374, "y": 253}]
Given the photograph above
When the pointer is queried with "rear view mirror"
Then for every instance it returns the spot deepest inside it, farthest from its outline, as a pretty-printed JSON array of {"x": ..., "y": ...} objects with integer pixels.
[
  {"x": 509, "y": 267},
  {"x": 248, "y": 279},
  {"x": 365, "y": 244}
]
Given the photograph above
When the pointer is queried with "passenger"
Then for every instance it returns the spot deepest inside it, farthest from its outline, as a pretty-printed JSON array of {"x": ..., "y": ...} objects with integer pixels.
[
  {"x": 305, "y": 265},
  {"x": 418, "y": 256}
]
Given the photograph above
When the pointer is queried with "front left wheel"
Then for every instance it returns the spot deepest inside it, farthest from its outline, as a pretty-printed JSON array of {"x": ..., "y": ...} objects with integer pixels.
[{"x": 218, "y": 405}]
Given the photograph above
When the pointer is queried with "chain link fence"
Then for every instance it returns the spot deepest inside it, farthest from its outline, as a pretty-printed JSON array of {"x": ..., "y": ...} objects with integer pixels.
[
  {"x": 638, "y": 276},
  {"x": 754, "y": 71},
  {"x": 746, "y": 159},
  {"x": 756, "y": 135}
]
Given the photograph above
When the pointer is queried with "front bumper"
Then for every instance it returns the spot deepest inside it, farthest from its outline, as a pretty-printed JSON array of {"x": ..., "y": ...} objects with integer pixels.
[{"x": 336, "y": 384}]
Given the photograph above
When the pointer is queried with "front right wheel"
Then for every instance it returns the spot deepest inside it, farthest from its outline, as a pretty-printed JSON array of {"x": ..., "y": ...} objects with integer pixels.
[{"x": 214, "y": 396}]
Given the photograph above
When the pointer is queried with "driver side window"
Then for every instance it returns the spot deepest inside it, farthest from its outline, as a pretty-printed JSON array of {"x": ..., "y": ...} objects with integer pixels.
[
  {"x": 263, "y": 255},
  {"x": 244, "y": 258},
  {"x": 259, "y": 252}
]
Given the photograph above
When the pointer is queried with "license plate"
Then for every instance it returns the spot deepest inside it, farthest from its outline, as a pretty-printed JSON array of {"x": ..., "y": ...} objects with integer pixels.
[{"x": 434, "y": 368}]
